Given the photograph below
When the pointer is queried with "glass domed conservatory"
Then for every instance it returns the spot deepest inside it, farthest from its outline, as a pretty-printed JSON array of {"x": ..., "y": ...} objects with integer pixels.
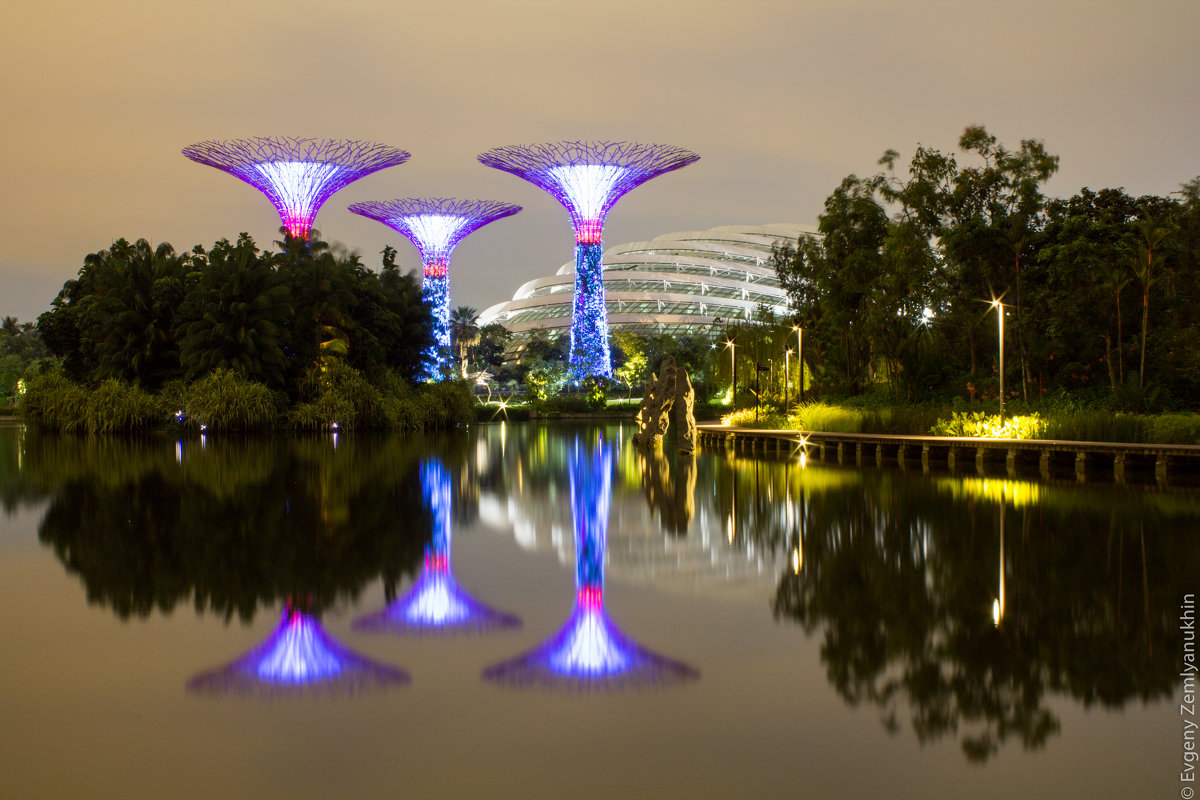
[{"x": 678, "y": 284}]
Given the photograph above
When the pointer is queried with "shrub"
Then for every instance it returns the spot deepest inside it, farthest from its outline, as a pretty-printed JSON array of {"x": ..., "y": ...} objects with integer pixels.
[
  {"x": 447, "y": 404},
  {"x": 54, "y": 403},
  {"x": 117, "y": 407},
  {"x": 597, "y": 394},
  {"x": 965, "y": 423},
  {"x": 1095, "y": 426},
  {"x": 1174, "y": 429},
  {"x": 341, "y": 395},
  {"x": 225, "y": 401}
]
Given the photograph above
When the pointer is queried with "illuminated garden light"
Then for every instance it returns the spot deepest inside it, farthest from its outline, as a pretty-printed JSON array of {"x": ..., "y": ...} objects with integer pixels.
[
  {"x": 590, "y": 651},
  {"x": 588, "y": 178},
  {"x": 436, "y": 603},
  {"x": 297, "y": 658},
  {"x": 435, "y": 226},
  {"x": 296, "y": 175}
]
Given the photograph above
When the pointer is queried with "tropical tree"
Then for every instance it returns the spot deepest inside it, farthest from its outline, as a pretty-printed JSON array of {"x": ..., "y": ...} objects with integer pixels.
[
  {"x": 1151, "y": 234},
  {"x": 464, "y": 328},
  {"x": 237, "y": 316}
]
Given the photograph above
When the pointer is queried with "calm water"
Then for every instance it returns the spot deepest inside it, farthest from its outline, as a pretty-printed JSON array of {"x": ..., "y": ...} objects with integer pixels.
[{"x": 544, "y": 612}]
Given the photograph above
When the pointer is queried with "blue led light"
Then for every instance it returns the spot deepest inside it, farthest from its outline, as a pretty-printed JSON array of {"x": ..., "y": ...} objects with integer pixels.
[
  {"x": 436, "y": 603},
  {"x": 590, "y": 651}
]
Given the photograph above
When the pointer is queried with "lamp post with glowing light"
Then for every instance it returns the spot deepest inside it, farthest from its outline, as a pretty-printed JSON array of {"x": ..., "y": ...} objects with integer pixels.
[
  {"x": 732, "y": 345},
  {"x": 800, "y": 357},
  {"x": 787, "y": 379},
  {"x": 996, "y": 304}
]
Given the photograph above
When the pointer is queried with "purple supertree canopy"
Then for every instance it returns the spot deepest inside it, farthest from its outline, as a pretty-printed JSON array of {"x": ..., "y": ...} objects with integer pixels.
[
  {"x": 435, "y": 225},
  {"x": 296, "y": 175},
  {"x": 588, "y": 177},
  {"x": 299, "y": 657}
]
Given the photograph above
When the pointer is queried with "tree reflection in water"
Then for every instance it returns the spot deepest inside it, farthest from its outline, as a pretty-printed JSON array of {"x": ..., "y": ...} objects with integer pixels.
[
  {"x": 232, "y": 525},
  {"x": 436, "y": 602},
  {"x": 590, "y": 652},
  {"x": 236, "y": 525},
  {"x": 963, "y": 603}
]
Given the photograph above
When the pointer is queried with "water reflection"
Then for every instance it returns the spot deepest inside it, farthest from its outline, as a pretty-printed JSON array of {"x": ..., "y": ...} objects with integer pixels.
[
  {"x": 299, "y": 657},
  {"x": 966, "y": 604},
  {"x": 590, "y": 652},
  {"x": 232, "y": 526},
  {"x": 436, "y": 602}
]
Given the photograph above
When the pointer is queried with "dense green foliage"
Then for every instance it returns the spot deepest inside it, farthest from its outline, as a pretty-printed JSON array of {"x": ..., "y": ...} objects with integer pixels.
[
  {"x": 1098, "y": 289},
  {"x": 149, "y": 316},
  {"x": 333, "y": 397},
  {"x": 21, "y": 347}
]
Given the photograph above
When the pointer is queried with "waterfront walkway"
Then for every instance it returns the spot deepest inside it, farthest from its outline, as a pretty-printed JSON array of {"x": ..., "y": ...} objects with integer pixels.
[{"x": 1046, "y": 458}]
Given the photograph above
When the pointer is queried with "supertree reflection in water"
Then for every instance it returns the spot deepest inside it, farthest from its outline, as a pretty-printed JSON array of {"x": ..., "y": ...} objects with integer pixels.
[
  {"x": 590, "y": 651},
  {"x": 436, "y": 603},
  {"x": 299, "y": 657}
]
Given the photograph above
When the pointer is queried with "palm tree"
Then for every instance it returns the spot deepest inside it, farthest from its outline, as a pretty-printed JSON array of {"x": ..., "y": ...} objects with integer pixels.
[
  {"x": 1152, "y": 234},
  {"x": 464, "y": 328},
  {"x": 1115, "y": 281}
]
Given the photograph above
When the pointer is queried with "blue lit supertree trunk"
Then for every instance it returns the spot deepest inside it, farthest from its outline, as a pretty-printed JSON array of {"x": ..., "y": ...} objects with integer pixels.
[
  {"x": 588, "y": 178},
  {"x": 436, "y": 603},
  {"x": 589, "y": 355},
  {"x": 296, "y": 175},
  {"x": 590, "y": 651},
  {"x": 435, "y": 226}
]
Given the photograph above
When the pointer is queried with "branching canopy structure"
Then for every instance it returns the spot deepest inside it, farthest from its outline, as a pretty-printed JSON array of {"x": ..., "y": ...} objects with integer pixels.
[
  {"x": 436, "y": 603},
  {"x": 299, "y": 657},
  {"x": 435, "y": 226},
  {"x": 296, "y": 175},
  {"x": 590, "y": 651},
  {"x": 588, "y": 178}
]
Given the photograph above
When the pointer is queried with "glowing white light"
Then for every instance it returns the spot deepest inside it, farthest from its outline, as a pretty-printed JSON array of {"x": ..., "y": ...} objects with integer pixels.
[
  {"x": 298, "y": 655},
  {"x": 437, "y": 233},
  {"x": 436, "y": 605},
  {"x": 796, "y": 560},
  {"x": 297, "y": 186},
  {"x": 588, "y": 187},
  {"x": 589, "y": 648}
]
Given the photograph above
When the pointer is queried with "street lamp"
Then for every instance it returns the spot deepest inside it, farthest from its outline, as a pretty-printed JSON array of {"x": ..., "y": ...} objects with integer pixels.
[
  {"x": 800, "y": 356},
  {"x": 996, "y": 304},
  {"x": 732, "y": 345},
  {"x": 786, "y": 378}
]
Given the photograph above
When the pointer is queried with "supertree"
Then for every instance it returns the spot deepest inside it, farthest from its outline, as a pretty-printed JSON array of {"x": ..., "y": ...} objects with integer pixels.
[
  {"x": 590, "y": 651},
  {"x": 436, "y": 603},
  {"x": 299, "y": 657},
  {"x": 588, "y": 178},
  {"x": 436, "y": 226},
  {"x": 296, "y": 175}
]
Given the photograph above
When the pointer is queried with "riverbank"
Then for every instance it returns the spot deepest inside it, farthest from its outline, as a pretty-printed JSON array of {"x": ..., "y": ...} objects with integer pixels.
[
  {"x": 1013, "y": 458},
  {"x": 1072, "y": 424}
]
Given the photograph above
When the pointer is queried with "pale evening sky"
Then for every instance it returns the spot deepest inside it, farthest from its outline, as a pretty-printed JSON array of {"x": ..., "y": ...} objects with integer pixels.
[{"x": 781, "y": 99}]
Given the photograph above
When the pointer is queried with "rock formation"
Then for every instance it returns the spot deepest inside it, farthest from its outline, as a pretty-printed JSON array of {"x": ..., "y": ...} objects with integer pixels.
[{"x": 670, "y": 388}]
